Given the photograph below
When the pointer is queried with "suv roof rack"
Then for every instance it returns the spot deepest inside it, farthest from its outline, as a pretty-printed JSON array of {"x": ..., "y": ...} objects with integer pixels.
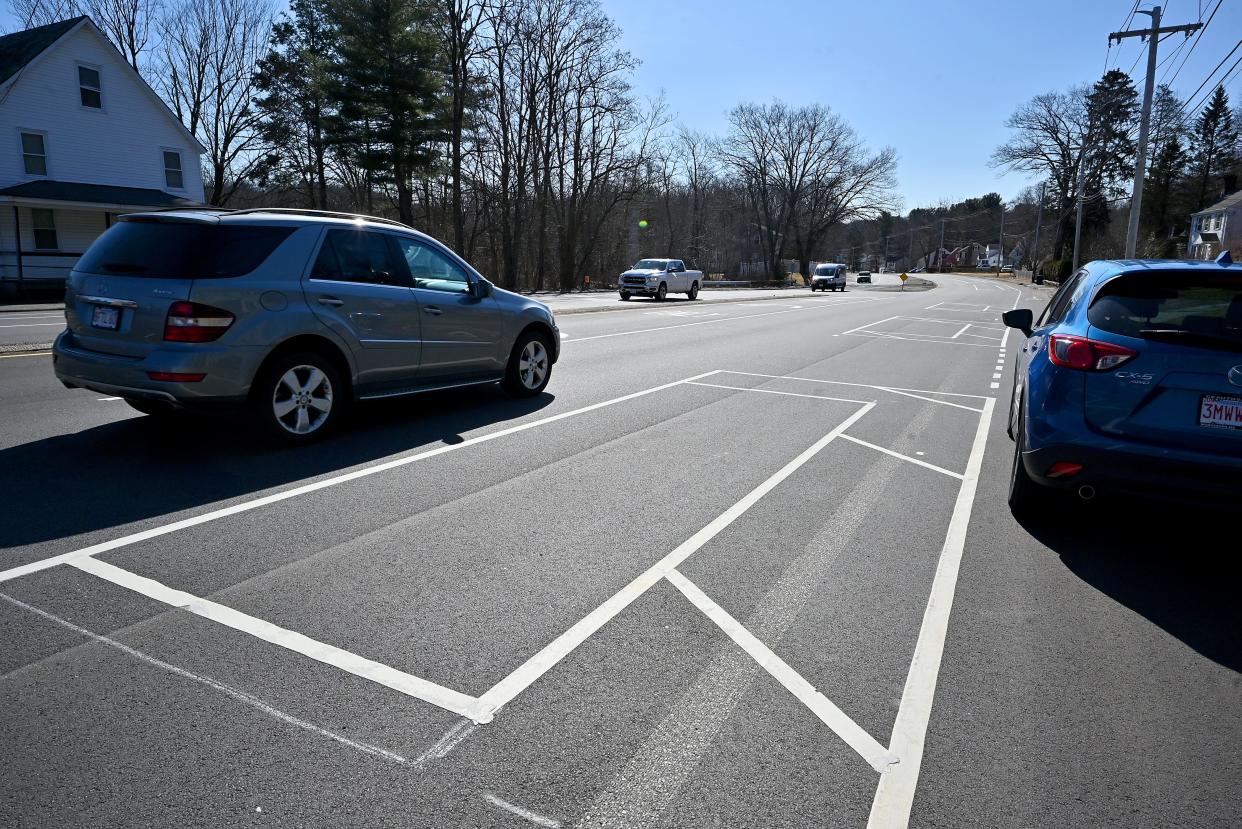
[{"x": 335, "y": 214}]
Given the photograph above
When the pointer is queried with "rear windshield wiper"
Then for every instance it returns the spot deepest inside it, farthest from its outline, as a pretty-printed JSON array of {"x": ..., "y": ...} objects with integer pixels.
[{"x": 1193, "y": 337}]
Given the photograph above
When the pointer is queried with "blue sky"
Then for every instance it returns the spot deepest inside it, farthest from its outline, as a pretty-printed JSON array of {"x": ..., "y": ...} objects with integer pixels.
[{"x": 934, "y": 80}]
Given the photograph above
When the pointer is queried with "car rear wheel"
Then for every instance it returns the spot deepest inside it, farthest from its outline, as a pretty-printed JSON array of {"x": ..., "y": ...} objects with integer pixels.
[
  {"x": 694, "y": 291},
  {"x": 298, "y": 398},
  {"x": 1024, "y": 493},
  {"x": 530, "y": 365}
]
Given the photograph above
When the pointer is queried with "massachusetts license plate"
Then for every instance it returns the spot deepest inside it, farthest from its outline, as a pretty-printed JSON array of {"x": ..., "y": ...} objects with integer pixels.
[
  {"x": 105, "y": 317},
  {"x": 1220, "y": 411}
]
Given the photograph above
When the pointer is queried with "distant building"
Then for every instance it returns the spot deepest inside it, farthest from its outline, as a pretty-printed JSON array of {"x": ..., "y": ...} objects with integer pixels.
[
  {"x": 1217, "y": 228},
  {"x": 88, "y": 139}
]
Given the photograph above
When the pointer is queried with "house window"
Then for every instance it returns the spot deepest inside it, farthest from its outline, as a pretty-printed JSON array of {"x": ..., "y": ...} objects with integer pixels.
[
  {"x": 89, "y": 87},
  {"x": 172, "y": 170},
  {"x": 44, "y": 222},
  {"x": 34, "y": 154}
]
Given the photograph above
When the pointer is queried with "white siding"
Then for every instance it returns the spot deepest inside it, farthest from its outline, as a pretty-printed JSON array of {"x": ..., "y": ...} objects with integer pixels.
[
  {"x": 75, "y": 230},
  {"x": 119, "y": 145}
]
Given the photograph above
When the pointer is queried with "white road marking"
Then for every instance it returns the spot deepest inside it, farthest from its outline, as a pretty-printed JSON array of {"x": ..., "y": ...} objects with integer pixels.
[
  {"x": 786, "y": 393},
  {"x": 894, "y": 796},
  {"x": 921, "y": 339},
  {"x": 916, "y": 461},
  {"x": 894, "y": 389},
  {"x": 360, "y": 666},
  {"x": 451, "y": 739},
  {"x": 963, "y": 330},
  {"x": 239, "y": 695},
  {"x": 525, "y": 814},
  {"x": 25, "y": 354},
  {"x": 36, "y": 325},
  {"x": 564, "y": 336},
  {"x": 996, "y": 376},
  {"x": 828, "y": 713},
  {"x": 552, "y": 653},
  {"x": 994, "y": 385},
  {"x": 29, "y": 316},
  {"x": 715, "y": 321},
  {"x": 255, "y": 503},
  {"x": 869, "y": 324},
  {"x": 107, "y": 399}
]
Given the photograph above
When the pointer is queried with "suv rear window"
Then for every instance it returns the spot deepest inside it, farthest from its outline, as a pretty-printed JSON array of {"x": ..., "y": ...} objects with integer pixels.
[
  {"x": 1206, "y": 304},
  {"x": 181, "y": 250}
]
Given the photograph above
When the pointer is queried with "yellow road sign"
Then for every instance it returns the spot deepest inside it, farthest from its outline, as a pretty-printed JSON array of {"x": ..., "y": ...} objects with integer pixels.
[{"x": 904, "y": 277}]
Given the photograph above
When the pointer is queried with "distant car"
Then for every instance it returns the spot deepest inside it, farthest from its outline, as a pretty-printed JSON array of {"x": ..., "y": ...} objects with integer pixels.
[
  {"x": 289, "y": 316},
  {"x": 1006, "y": 269},
  {"x": 1130, "y": 380},
  {"x": 864, "y": 276},
  {"x": 657, "y": 278},
  {"x": 828, "y": 277},
  {"x": 917, "y": 270}
]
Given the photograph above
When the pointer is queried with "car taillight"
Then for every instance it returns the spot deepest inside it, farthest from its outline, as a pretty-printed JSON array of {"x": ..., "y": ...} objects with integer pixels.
[
  {"x": 190, "y": 322},
  {"x": 1070, "y": 351}
]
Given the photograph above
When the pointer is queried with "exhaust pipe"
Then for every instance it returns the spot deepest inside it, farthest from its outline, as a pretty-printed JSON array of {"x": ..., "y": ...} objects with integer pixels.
[{"x": 1086, "y": 492}]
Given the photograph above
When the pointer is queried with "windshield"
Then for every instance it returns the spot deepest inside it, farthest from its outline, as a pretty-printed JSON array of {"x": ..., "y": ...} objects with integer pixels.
[
  {"x": 826, "y": 270},
  {"x": 651, "y": 265},
  {"x": 181, "y": 250},
  {"x": 1170, "y": 303}
]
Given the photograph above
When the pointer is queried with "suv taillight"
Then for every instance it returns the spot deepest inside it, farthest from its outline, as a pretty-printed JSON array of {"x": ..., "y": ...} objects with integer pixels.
[
  {"x": 190, "y": 322},
  {"x": 1085, "y": 354}
]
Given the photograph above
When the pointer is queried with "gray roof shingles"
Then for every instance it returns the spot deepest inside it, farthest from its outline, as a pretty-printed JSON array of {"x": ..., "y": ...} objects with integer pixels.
[
  {"x": 20, "y": 48},
  {"x": 72, "y": 191}
]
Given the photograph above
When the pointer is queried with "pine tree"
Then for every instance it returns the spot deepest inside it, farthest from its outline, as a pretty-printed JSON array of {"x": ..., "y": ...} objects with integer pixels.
[
  {"x": 294, "y": 106},
  {"x": 387, "y": 82},
  {"x": 1214, "y": 148},
  {"x": 1112, "y": 107}
]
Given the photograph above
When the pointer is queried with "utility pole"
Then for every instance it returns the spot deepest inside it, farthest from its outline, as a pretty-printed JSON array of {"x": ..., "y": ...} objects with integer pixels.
[
  {"x": 1039, "y": 220},
  {"x": 1082, "y": 182},
  {"x": 1152, "y": 36},
  {"x": 910, "y": 251},
  {"x": 940, "y": 253},
  {"x": 1000, "y": 253}
]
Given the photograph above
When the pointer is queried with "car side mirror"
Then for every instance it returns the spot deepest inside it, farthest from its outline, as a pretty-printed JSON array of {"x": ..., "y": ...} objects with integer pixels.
[
  {"x": 1020, "y": 318},
  {"x": 480, "y": 288}
]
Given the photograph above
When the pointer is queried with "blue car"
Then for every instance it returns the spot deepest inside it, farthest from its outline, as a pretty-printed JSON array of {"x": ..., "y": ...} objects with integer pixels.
[{"x": 1130, "y": 381}]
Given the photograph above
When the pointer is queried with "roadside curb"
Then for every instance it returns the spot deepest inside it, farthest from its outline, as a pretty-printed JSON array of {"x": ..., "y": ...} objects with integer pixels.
[
  {"x": 22, "y": 348},
  {"x": 18, "y": 309}
]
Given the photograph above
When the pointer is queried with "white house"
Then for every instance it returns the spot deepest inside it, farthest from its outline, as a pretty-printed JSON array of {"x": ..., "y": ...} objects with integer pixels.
[
  {"x": 82, "y": 138},
  {"x": 1217, "y": 228}
]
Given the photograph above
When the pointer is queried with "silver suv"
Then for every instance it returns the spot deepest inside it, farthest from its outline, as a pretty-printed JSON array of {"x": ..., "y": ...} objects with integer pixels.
[{"x": 289, "y": 315}]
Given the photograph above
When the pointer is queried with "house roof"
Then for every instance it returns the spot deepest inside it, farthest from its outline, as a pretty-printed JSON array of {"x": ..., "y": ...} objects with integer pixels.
[
  {"x": 103, "y": 194},
  {"x": 20, "y": 48},
  {"x": 1224, "y": 204}
]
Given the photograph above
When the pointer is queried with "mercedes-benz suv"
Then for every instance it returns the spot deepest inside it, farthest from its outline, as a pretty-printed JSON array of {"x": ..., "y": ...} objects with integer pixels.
[{"x": 290, "y": 316}]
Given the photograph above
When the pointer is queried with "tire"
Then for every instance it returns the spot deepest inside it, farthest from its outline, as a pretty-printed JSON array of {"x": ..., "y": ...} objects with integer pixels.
[
  {"x": 625, "y": 296},
  {"x": 661, "y": 292},
  {"x": 1025, "y": 495},
  {"x": 298, "y": 398},
  {"x": 694, "y": 291},
  {"x": 523, "y": 375},
  {"x": 153, "y": 408}
]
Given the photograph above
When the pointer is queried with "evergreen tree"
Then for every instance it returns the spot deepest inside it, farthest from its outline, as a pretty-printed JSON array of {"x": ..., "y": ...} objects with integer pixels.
[
  {"x": 1112, "y": 109},
  {"x": 387, "y": 83},
  {"x": 293, "y": 105},
  {"x": 1214, "y": 149}
]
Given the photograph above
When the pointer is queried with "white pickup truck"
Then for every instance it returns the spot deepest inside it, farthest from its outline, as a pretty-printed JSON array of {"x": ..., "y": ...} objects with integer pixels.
[{"x": 657, "y": 278}]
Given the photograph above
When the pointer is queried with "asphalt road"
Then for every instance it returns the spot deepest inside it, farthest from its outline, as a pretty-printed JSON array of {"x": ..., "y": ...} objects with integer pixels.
[{"x": 743, "y": 565}]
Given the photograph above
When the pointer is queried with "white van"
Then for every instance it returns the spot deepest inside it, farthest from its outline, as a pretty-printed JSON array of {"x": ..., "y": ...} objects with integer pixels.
[{"x": 828, "y": 276}]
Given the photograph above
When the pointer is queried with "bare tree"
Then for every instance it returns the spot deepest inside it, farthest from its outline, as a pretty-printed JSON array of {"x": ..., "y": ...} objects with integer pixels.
[
  {"x": 209, "y": 50},
  {"x": 127, "y": 23}
]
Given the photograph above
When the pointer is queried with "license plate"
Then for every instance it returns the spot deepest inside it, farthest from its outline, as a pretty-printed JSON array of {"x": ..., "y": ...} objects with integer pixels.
[
  {"x": 105, "y": 317},
  {"x": 1220, "y": 411}
]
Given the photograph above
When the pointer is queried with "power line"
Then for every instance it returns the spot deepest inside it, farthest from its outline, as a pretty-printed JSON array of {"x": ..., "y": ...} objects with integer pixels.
[{"x": 1198, "y": 36}]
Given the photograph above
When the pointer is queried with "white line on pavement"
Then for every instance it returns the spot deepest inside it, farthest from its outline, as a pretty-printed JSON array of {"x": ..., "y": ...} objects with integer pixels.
[
  {"x": 525, "y": 814},
  {"x": 552, "y": 653},
  {"x": 894, "y": 796},
  {"x": 377, "y": 672},
  {"x": 246, "y": 506},
  {"x": 963, "y": 330},
  {"x": 714, "y": 321},
  {"x": 240, "y": 696},
  {"x": 895, "y": 389},
  {"x": 107, "y": 399},
  {"x": 828, "y": 713},
  {"x": 994, "y": 385},
  {"x": 786, "y": 393},
  {"x": 36, "y": 325},
  {"x": 923, "y": 339},
  {"x": 869, "y": 324},
  {"x": 887, "y": 451}
]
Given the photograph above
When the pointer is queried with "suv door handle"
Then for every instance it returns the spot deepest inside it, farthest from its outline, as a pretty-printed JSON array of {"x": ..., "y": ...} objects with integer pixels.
[
  {"x": 331, "y": 300},
  {"x": 433, "y": 310}
]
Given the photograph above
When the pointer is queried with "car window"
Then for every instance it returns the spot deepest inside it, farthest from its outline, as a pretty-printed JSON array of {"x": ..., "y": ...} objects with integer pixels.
[
  {"x": 1194, "y": 303},
  {"x": 1063, "y": 300},
  {"x": 431, "y": 270},
  {"x": 356, "y": 256},
  {"x": 181, "y": 250}
]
